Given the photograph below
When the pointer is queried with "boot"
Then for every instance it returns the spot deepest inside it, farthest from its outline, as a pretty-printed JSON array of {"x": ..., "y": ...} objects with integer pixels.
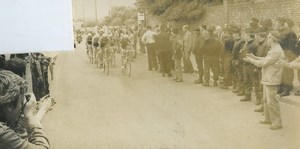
[
  {"x": 258, "y": 101},
  {"x": 198, "y": 81},
  {"x": 205, "y": 83},
  {"x": 260, "y": 109},
  {"x": 236, "y": 90},
  {"x": 215, "y": 83},
  {"x": 284, "y": 93},
  {"x": 246, "y": 98},
  {"x": 234, "y": 87},
  {"x": 222, "y": 86},
  {"x": 280, "y": 89},
  {"x": 241, "y": 93},
  {"x": 297, "y": 93}
]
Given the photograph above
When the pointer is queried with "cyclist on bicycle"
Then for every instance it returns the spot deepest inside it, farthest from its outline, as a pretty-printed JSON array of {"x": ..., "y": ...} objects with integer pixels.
[{"x": 89, "y": 42}]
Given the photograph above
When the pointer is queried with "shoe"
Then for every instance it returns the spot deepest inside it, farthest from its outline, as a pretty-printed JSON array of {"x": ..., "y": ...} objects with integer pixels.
[
  {"x": 297, "y": 93},
  {"x": 215, "y": 83},
  {"x": 175, "y": 79},
  {"x": 169, "y": 75},
  {"x": 223, "y": 86},
  {"x": 258, "y": 102},
  {"x": 150, "y": 69},
  {"x": 265, "y": 122},
  {"x": 234, "y": 87},
  {"x": 260, "y": 109},
  {"x": 280, "y": 89},
  {"x": 163, "y": 75},
  {"x": 179, "y": 80},
  {"x": 236, "y": 91},
  {"x": 198, "y": 81},
  {"x": 274, "y": 127},
  {"x": 241, "y": 93},
  {"x": 284, "y": 93},
  {"x": 205, "y": 84},
  {"x": 246, "y": 99}
]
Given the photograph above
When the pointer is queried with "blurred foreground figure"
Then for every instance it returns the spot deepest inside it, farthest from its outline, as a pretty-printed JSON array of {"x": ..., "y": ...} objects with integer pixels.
[{"x": 18, "y": 108}]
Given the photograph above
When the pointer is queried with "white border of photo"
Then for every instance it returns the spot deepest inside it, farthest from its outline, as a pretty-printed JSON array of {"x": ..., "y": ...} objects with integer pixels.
[{"x": 35, "y": 26}]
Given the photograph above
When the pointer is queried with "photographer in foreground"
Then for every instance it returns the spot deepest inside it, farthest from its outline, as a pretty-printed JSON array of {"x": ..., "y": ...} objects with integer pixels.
[{"x": 18, "y": 108}]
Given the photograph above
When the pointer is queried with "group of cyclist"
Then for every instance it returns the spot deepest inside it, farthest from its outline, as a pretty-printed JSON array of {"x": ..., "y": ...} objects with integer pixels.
[{"x": 103, "y": 43}]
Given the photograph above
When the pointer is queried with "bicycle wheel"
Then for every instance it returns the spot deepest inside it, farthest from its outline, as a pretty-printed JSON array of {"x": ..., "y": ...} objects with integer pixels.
[
  {"x": 107, "y": 66},
  {"x": 113, "y": 60},
  {"x": 127, "y": 68}
]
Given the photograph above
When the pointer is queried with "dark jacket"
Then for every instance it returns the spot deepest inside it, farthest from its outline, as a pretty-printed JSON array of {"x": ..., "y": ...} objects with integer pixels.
[
  {"x": 228, "y": 46},
  {"x": 238, "y": 45},
  {"x": 212, "y": 46},
  {"x": 163, "y": 42},
  {"x": 197, "y": 45}
]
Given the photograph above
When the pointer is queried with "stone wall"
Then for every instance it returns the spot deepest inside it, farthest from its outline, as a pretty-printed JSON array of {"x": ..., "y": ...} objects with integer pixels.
[{"x": 241, "y": 11}]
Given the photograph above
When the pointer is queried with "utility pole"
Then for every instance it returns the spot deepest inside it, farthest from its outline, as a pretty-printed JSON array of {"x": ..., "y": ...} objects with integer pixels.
[
  {"x": 96, "y": 12},
  {"x": 76, "y": 11},
  {"x": 83, "y": 10}
]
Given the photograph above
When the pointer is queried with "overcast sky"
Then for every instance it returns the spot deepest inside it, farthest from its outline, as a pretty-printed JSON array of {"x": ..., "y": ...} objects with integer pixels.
[{"x": 103, "y": 7}]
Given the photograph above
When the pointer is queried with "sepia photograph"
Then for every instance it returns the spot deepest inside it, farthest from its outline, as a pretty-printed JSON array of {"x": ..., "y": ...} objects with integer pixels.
[{"x": 157, "y": 74}]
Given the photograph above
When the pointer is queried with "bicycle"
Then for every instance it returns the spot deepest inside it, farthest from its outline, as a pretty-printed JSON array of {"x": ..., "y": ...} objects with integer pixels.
[
  {"x": 107, "y": 58},
  {"x": 126, "y": 62}
]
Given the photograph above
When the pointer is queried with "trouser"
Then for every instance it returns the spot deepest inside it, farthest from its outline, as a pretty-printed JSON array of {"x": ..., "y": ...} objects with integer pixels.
[
  {"x": 142, "y": 47},
  {"x": 288, "y": 73},
  {"x": 211, "y": 63},
  {"x": 271, "y": 105},
  {"x": 134, "y": 48},
  {"x": 240, "y": 76},
  {"x": 228, "y": 73},
  {"x": 251, "y": 80},
  {"x": 152, "y": 62},
  {"x": 178, "y": 68},
  {"x": 199, "y": 61},
  {"x": 260, "y": 88},
  {"x": 187, "y": 63},
  {"x": 165, "y": 65},
  {"x": 222, "y": 66}
]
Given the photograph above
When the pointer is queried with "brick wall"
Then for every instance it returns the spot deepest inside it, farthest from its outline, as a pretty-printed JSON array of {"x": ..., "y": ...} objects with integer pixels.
[{"x": 241, "y": 11}]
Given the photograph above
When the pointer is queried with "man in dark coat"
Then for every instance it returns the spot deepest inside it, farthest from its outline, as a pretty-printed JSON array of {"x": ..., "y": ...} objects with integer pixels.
[{"x": 212, "y": 48}]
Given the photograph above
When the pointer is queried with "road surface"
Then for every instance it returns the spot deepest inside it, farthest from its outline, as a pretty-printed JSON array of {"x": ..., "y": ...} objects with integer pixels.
[{"x": 147, "y": 111}]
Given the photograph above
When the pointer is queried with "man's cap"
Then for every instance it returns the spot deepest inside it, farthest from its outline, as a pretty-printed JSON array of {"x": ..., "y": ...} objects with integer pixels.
[
  {"x": 266, "y": 23},
  {"x": 290, "y": 22},
  {"x": 235, "y": 29},
  {"x": 280, "y": 20},
  {"x": 255, "y": 20},
  {"x": 275, "y": 35},
  {"x": 249, "y": 31},
  {"x": 196, "y": 29},
  {"x": 210, "y": 29},
  {"x": 261, "y": 31},
  {"x": 253, "y": 24}
]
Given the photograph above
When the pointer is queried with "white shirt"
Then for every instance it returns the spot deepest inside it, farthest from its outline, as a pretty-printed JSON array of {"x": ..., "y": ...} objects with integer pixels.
[{"x": 148, "y": 37}]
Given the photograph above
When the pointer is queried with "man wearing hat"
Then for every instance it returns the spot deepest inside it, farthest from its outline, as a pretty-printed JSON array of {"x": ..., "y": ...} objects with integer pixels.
[
  {"x": 227, "y": 58},
  {"x": 271, "y": 77},
  {"x": 288, "y": 40},
  {"x": 237, "y": 62},
  {"x": 262, "y": 51},
  {"x": 212, "y": 48},
  {"x": 198, "y": 51},
  {"x": 250, "y": 76},
  {"x": 187, "y": 48}
]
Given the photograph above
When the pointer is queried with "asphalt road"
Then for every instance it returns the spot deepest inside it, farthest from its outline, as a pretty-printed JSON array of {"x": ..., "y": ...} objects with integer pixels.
[{"x": 147, "y": 111}]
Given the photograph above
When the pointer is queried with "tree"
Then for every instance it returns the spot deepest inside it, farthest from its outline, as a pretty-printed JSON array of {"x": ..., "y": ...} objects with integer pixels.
[
  {"x": 176, "y": 10},
  {"x": 120, "y": 16}
]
